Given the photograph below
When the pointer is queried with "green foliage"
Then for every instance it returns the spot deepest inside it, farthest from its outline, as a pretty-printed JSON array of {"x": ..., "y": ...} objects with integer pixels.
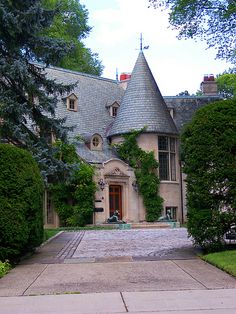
[
  {"x": 28, "y": 98},
  {"x": 74, "y": 198},
  {"x": 225, "y": 260},
  {"x": 21, "y": 216},
  {"x": 145, "y": 168},
  {"x": 4, "y": 268},
  {"x": 49, "y": 233},
  {"x": 70, "y": 24},
  {"x": 209, "y": 147},
  {"x": 211, "y": 20},
  {"x": 226, "y": 83}
]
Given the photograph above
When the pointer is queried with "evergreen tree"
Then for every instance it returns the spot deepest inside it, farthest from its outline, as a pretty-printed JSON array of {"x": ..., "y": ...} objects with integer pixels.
[{"x": 27, "y": 96}]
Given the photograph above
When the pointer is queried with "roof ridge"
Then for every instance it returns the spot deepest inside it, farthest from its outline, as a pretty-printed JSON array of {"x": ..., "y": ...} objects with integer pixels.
[{"x": 81, "y": 74}]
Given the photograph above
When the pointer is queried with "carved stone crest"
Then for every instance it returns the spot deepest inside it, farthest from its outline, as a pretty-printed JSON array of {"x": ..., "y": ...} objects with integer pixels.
[{"x": 116, "y": 172}]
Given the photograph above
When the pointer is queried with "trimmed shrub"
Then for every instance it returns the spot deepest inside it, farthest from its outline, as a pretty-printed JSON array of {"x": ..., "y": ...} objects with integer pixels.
[
  {"x": 209, "y": 148},
  {"x": 21, "y": 215}
]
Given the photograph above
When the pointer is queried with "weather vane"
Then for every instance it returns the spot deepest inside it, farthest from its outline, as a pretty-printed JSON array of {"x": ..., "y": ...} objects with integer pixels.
[{"x": 141, "y": 43}]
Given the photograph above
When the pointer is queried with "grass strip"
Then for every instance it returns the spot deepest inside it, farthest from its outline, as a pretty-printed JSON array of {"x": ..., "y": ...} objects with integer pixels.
[{"x": 225, "y": 260}]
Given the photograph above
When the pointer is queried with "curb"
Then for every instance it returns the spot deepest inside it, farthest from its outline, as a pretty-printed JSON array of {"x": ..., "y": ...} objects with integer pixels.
[{"x": 49, "y": 240}]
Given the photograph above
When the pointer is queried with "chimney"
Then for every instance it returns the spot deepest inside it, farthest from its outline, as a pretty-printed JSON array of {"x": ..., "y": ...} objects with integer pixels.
[
  {"x": 124, "y": 79},
  {"x": 209, "y": 85}
]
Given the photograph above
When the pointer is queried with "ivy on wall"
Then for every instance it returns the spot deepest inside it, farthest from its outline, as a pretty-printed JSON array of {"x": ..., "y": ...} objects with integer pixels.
[
  {"x": 145, "y": 168},
  {"x": 74, "y": 197}
]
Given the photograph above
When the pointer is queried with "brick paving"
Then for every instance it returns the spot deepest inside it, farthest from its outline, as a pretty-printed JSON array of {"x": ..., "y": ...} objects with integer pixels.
[
  {"x": 115, "y": 245},
  {"x": 144, "y": 244}
]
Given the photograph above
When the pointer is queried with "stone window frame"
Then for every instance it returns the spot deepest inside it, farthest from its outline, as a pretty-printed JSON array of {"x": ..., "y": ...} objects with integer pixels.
[
  {"x": 96, "y": 142},
  {"x": 72, "y": 98},
  {"x": 167, "y": 156}
]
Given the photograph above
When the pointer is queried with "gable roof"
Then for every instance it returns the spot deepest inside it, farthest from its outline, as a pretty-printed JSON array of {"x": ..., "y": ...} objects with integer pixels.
[{"x": 143, "y": 104}]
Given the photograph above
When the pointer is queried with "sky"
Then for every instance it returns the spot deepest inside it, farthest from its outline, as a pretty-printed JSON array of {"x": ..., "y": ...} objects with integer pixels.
[{"x": 177, "y": 65}]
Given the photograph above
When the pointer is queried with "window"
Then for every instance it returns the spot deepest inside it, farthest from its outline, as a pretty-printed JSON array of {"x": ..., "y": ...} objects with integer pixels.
[
  {"x": 167, "y": 158},
  {"x": 72, "y": 102},
  {"x": 172, "y": 212},
  {"x": 96, "y": 142},
  {"x": 114, "y": 109}
]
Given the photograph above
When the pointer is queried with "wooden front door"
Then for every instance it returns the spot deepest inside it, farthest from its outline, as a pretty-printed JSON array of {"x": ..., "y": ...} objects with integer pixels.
[{"x": 115, "y": 199}]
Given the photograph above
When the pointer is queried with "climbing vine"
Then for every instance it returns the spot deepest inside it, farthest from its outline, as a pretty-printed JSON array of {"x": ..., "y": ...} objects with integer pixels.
[
  {"x": 74, "y": 197},
  {"x": 145, "y": 168}
]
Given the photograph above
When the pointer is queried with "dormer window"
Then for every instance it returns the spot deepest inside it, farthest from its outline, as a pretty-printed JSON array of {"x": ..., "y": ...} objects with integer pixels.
[
  {"x": 96, "y": 142},
  {"x": 72, "y": 102},
  {"x": 114, "y": 109}
]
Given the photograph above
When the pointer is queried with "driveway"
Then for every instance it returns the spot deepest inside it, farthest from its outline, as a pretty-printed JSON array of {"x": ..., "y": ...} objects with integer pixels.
[{"x": 114, "y": 261}]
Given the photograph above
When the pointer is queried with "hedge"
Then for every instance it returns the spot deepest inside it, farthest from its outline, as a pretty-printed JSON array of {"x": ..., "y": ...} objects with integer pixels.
[{"x": 21, "y": 190}]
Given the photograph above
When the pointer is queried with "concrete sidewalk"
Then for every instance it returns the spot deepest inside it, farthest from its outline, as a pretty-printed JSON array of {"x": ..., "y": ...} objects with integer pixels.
[
  {"x": 175, "y": 302},
  {"x": 56, "y": 280}
]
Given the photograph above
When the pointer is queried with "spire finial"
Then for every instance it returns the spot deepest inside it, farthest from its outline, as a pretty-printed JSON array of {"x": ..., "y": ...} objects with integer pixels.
[{"x": 141, "y": 41}]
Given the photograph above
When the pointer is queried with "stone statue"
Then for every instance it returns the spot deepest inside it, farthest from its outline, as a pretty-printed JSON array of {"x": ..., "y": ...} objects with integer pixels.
[
  {"x": 115, "y": 218},
  {"x": 167, "y": 217}
]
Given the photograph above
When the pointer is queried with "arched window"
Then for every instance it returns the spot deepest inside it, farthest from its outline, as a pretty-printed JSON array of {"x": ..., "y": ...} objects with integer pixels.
[{"x": 96, "y": 142}]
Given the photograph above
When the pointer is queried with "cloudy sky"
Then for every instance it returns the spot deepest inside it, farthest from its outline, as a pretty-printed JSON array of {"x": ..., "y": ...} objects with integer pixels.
[{"x": 177, "y": 65}]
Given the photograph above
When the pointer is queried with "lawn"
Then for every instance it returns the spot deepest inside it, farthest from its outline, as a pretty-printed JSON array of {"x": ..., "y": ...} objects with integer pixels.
[
  {"x": 48, "y": 233},
  {"x": 225, "y": 260}
]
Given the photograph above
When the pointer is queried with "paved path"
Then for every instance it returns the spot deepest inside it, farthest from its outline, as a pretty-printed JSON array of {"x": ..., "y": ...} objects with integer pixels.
[{"x": 152, "y": 271}]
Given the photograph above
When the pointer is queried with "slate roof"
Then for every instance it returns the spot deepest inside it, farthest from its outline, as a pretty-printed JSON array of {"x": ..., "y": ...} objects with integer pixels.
[
  {"x": 143, "y": 104},
  {"x": 184, "y": 107},
  {"x": 94, "y": 95}
]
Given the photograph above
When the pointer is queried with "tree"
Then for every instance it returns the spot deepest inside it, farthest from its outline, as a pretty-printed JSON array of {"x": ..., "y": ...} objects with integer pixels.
[
  {"x": 71, "y": 24},
  {"x": 209, "y": 149},
  {"x": 211, "y": 20},
  {"x": 21, "y": 215},
  {"x": 27, "y": 97},
  {"x": 226, "y": 83}
]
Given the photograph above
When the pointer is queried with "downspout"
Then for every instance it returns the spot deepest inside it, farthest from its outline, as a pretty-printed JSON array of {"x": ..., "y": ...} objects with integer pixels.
[{"x": 181, "y": 192}]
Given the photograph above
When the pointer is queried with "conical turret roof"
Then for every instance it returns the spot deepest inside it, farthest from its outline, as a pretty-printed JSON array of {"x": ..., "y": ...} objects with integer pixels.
[{"x": 143, "y": 104}]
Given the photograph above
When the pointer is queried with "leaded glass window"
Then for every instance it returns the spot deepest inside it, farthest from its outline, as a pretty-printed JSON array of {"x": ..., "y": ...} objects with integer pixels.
[{"x": 167, "y": 158}]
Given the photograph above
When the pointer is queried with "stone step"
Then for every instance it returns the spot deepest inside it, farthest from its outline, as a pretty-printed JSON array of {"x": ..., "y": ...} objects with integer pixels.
[{"x": 142, "y": 225}]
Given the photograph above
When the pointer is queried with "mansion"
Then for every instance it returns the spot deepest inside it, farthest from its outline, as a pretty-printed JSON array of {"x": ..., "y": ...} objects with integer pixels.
[{"x": 103, "y": 110}]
